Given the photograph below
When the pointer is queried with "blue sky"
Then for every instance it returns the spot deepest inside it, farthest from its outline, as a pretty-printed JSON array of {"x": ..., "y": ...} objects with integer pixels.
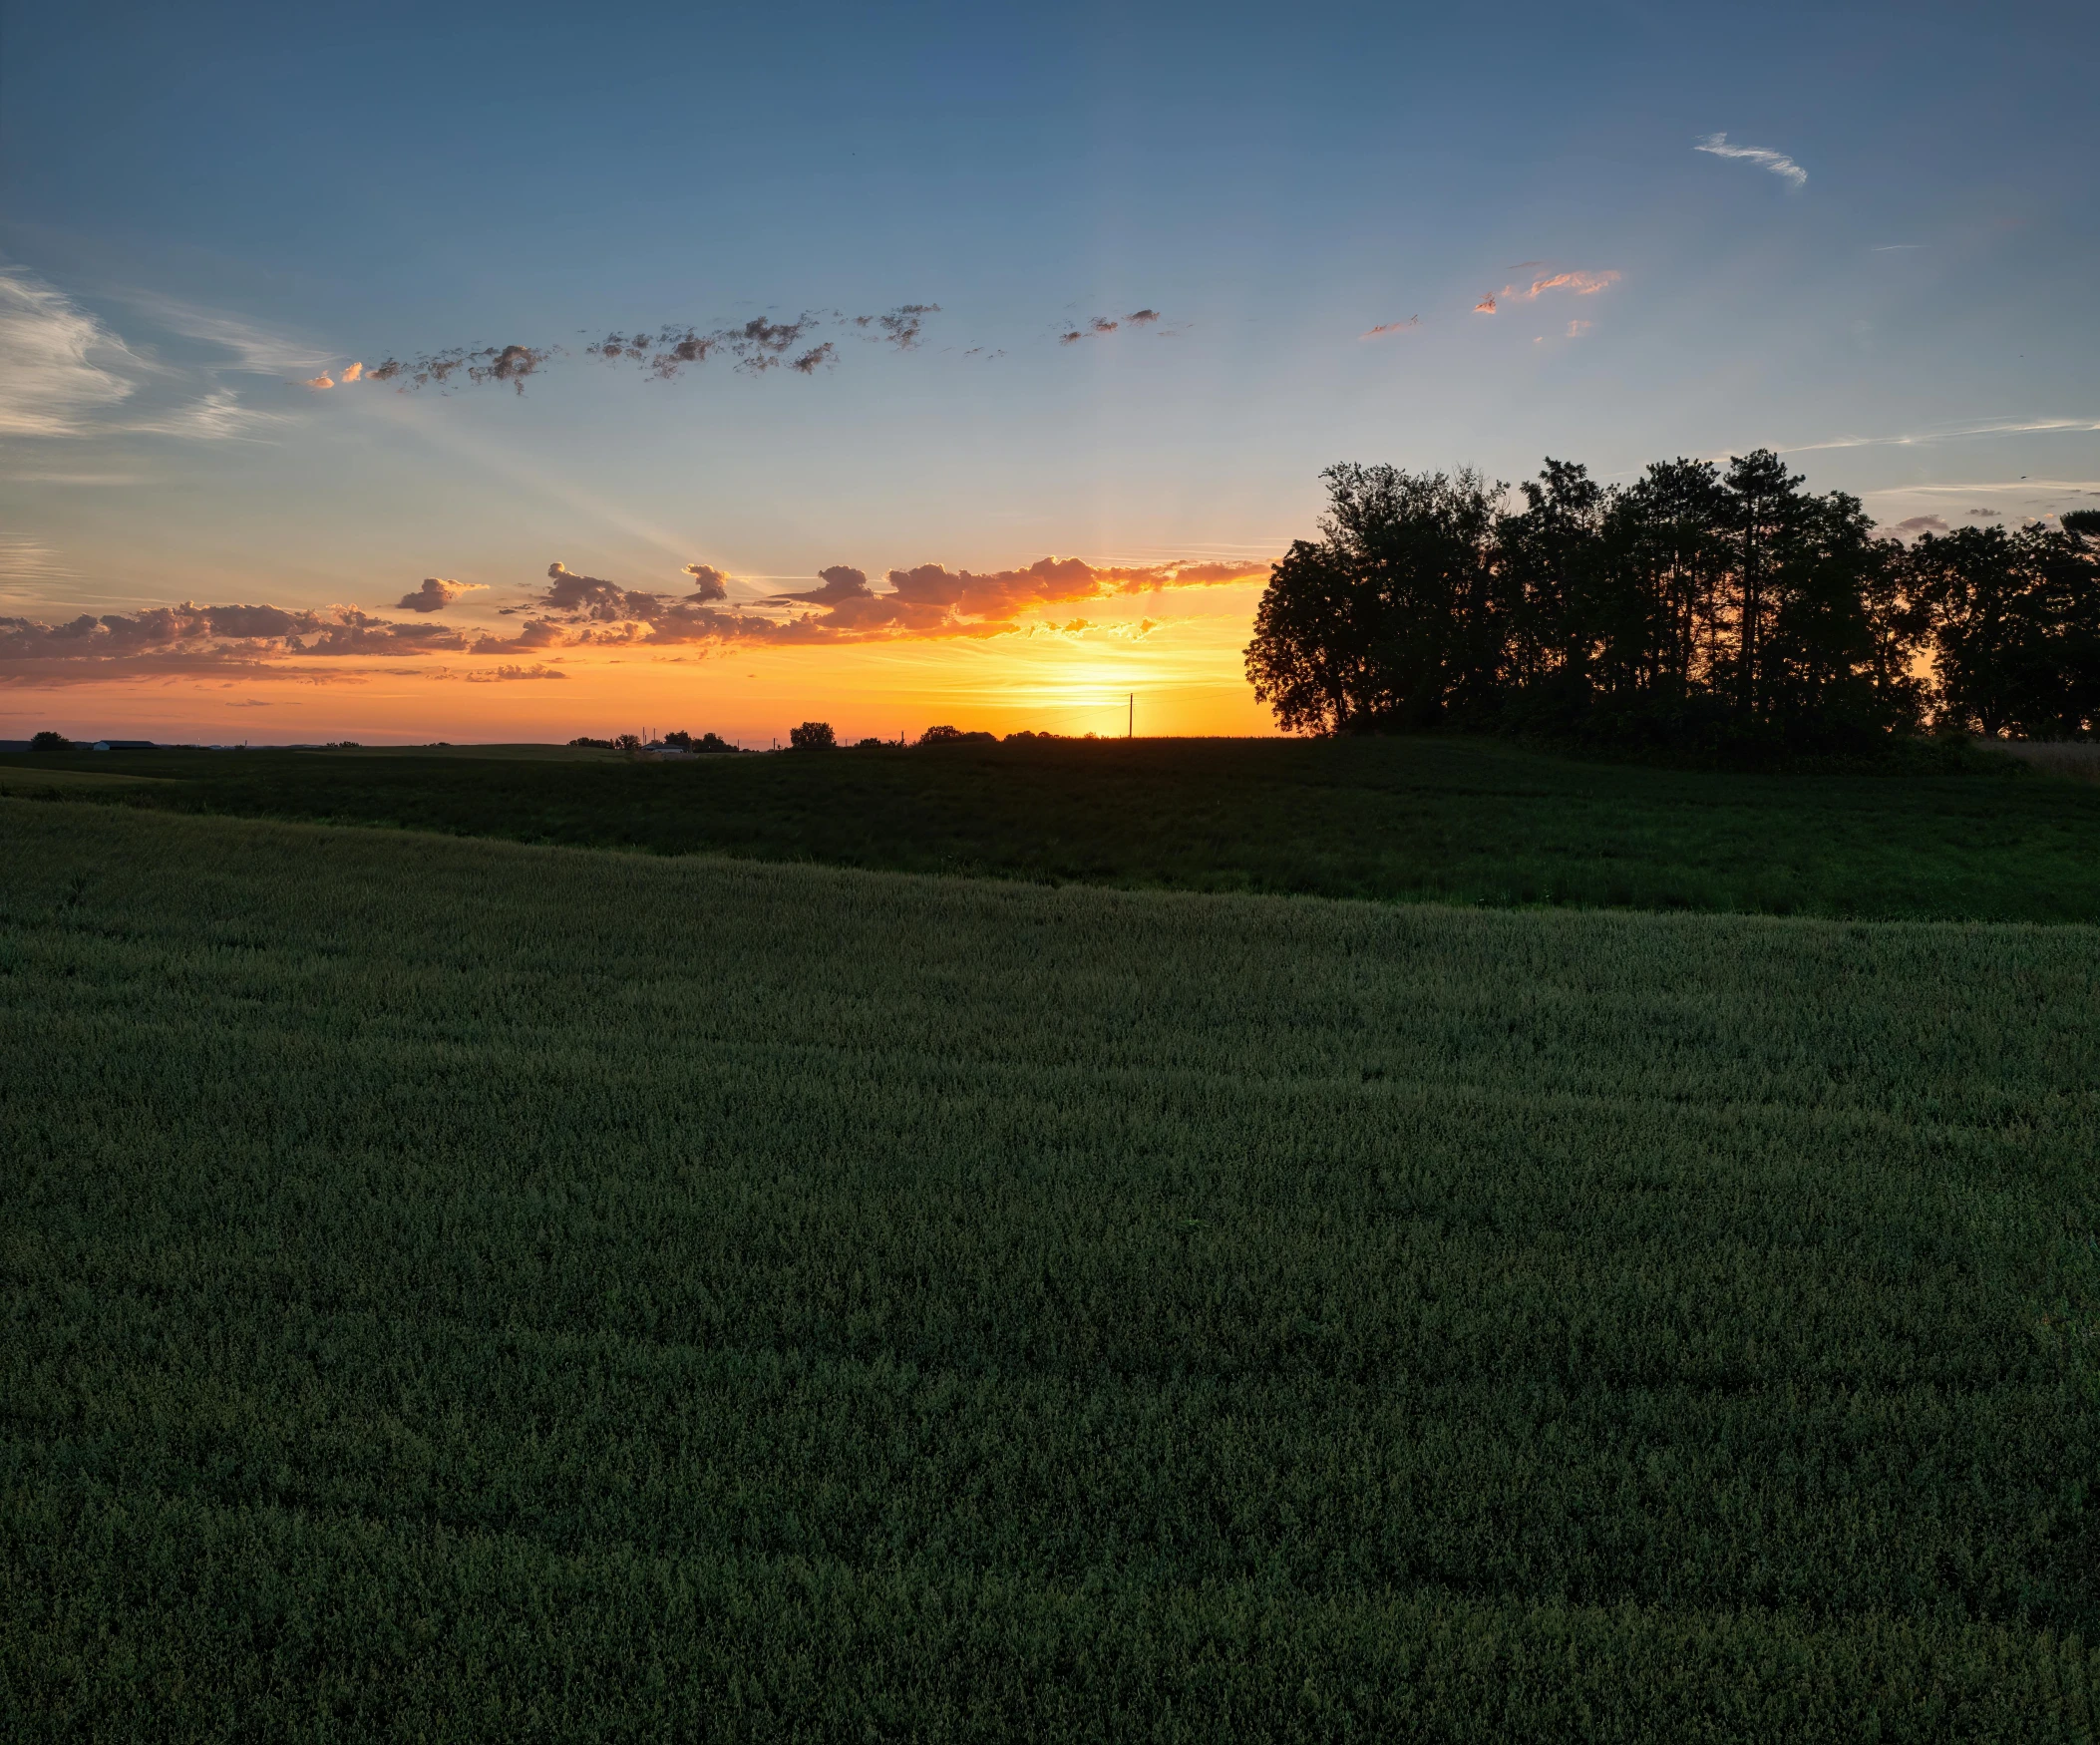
[{"x": 225, "y": 202}]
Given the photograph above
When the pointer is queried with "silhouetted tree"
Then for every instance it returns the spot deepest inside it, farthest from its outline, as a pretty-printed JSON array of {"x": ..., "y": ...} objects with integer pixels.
[
  {"x": 1389, "y": 620},
  {"x": 1692, "y": 604},
  {"x": 813, "y": 736},
  {"x": 2016, "y": 628},
  {"x": 49, "y": 741}
]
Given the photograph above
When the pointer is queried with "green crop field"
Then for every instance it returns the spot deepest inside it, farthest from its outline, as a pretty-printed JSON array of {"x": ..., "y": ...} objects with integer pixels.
[
  {"x": 462, "y": 1287},
  {"x": 1438, "y": 819}
]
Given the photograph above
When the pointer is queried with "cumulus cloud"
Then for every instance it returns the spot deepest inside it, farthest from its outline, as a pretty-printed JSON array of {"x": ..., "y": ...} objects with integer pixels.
[
  {"x": 1778, "y": 163},
  {"x": 351, "y": 372},
  {"x": 1985, "y": 513},
  {"x": 757, "y": 345},
  {"x": 505, "y": 672},
  {"x": 1486, "y": 306},
  {"x": 841, "y": 582},
  {"x": 929, "y": 601},
  {"x": 1098, "y": 326},
  {"x": 194, "y": 638},
  {"x": 709, "y": 583},
  {"x": 761, "y": 345},
  {"x": 436, "y": 594},
  {"x": 575, "y": 611},
  {"x": 902, "y": 326},
  {"x": 1921, "y": 523},
  {"x": 492, "y": 363},
  {"x": 590, "y": 597},
  {"x": 321, "y": 382},
  {"x": 1385, "y": 327}
]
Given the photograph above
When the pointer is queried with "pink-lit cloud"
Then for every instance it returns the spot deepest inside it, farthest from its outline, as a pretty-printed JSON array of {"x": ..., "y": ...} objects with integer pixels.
[
  {"x": 575, "y": 610},
  {"x": 1486, "y": 306},
  {"x": 1582, "y": 284},
  {"x": 1385, "y": 327}
]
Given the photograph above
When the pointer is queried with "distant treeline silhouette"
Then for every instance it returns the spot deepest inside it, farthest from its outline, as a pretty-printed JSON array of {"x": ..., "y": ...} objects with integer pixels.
[{"x": 1697, "y": 607}]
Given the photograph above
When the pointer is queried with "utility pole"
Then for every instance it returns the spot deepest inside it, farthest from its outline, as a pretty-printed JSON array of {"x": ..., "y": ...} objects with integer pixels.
[{"x": 1129, "y": 723}]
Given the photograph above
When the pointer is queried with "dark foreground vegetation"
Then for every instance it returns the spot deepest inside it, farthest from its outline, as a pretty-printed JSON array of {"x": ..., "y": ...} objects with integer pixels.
[
  {"x": 466, "y": 1289},
  {"x": 1463, "y": 820},
  {"x": 1729, "y": 615}
]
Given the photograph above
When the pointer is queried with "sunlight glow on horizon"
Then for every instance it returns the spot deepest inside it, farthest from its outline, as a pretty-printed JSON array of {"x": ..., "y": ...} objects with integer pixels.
[{"x": 1186, "y": 671}]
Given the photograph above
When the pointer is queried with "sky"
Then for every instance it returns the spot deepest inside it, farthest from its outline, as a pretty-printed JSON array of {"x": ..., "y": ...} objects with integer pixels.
[{"x": 401, "y": 373}]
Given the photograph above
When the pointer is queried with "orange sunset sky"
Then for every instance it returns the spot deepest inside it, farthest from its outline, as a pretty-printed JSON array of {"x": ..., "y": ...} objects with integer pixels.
[{"x": 395, "y": 374}]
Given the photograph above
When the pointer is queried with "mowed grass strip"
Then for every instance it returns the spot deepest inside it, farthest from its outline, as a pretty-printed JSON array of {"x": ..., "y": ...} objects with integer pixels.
[{"x": 464, "y": 1288}]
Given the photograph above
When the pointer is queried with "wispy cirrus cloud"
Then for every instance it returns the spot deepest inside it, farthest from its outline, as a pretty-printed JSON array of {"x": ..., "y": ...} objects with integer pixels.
[
  {"x": 60, "y": 368},
  {"x": 27, "y": 565},
  {"x": 66, "y": 373},
  {"x": 1988, "y": 427},
  {"x": 1778, "y": 163},
  {"x": 251, "y": 347},
  {"x": 1582, "y": 284},
  {"x": 1386, "y": 327}
]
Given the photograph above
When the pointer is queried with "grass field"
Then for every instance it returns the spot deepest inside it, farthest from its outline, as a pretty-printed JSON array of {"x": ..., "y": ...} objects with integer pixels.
[
  {"x": 1437, "y": 819},
  {"x": 468, "y": 1287},
  {"x": 66, "y": 778}
]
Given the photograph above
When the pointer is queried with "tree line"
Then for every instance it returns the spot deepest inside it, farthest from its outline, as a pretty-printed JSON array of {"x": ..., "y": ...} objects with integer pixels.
[{"x": 1698, "y": 607}]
